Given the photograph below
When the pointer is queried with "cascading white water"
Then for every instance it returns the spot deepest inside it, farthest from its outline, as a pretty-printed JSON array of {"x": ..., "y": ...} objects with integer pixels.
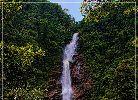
[{"x": 66, "y": 79}]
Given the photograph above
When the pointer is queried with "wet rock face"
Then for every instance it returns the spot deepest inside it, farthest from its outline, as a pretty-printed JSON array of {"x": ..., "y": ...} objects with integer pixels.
[
  {"x": 53, "y": 87},
  {"x": 81, "y": 81}
]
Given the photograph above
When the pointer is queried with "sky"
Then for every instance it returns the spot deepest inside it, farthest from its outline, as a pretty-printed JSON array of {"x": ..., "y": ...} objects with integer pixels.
[{"x": 74, "y": 8}]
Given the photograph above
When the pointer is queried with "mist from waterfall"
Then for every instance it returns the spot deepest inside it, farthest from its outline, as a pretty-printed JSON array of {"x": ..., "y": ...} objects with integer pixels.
[{"x": 66, "y": 78}]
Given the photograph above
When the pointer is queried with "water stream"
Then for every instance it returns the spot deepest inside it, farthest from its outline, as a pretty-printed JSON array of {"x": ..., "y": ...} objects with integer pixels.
[{"x": 67, "y": 58}]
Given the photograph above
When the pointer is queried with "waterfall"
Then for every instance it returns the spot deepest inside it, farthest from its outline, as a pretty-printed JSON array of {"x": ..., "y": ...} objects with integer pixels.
[{"x": 66, "y": 78}]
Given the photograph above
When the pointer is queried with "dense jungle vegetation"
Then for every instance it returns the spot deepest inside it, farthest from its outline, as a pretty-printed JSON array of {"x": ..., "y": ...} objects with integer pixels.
[{"x": 36, "y": 34}]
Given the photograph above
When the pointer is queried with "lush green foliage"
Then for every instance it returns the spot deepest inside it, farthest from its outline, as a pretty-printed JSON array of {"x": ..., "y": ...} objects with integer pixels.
[
  {"x": 34, "y": 38},
  {"x": 107, "y": 35}
]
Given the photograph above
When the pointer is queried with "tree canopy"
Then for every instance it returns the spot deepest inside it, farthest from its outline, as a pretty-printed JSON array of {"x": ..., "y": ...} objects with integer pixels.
[{"x": 35, "y": 36}]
